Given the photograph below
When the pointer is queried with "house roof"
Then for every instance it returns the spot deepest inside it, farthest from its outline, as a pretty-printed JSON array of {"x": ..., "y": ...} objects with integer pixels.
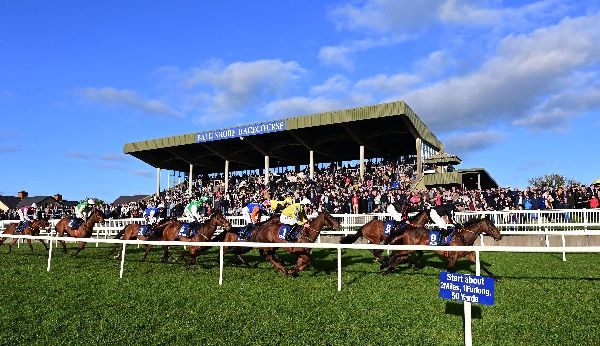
[
  {"x": 128, "y": 199},
  {"x": 10, "y": 201}
]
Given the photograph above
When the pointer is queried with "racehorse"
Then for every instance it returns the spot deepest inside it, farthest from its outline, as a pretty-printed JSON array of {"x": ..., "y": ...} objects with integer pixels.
[
  {"x": 269, "y": 233},
  {"x": 465, "y": 236},
  {"x": 132, "y": 231},
  {"x": 33, "y": 228},
  {"x": 83, "y": 231},
  {"x": 204, "y": 232},
  {"x": 374, "y": 231}
]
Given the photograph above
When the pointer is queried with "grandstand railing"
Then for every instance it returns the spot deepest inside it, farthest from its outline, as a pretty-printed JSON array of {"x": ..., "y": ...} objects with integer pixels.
[{"x": 511, "y": 222}]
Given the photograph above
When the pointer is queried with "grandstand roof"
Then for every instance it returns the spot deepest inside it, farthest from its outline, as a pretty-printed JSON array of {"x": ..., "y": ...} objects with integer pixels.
[{"x": 385, "y": 130}]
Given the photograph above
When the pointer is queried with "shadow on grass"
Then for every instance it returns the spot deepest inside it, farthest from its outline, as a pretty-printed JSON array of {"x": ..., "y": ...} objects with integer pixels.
[{"x": 457, "y": 309}]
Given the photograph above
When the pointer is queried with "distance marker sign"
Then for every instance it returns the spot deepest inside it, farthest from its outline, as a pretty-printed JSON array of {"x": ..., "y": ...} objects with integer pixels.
[{"x": 467, "y": 288}]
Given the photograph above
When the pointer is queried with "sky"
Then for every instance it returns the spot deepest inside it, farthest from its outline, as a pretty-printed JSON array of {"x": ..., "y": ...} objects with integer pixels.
[{"x": 510, "y": 86}]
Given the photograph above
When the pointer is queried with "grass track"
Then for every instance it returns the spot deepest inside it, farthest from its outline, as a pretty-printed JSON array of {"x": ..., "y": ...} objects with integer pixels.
[{"x": 541, "y": 301}]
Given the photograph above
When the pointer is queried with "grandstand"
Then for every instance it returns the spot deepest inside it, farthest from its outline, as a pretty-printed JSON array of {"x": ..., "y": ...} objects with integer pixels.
[{"x": 389, "y": 130}]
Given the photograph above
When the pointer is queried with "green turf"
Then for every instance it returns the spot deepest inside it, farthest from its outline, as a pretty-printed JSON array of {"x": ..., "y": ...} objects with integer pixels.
[{"x": 540, "y": 301}]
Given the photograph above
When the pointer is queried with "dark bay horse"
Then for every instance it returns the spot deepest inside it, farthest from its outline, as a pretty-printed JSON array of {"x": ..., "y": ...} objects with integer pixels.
[
  {"x": 465, "y": 236},
  {"x": 374, "y": 231},
  {"x": 203, "y": 233},
  {"x": 33, "y": 228},
  {"x": 132, "y": 231},
  {"x": 269, "y": 233},
  {"x": 83, "y": 231}
]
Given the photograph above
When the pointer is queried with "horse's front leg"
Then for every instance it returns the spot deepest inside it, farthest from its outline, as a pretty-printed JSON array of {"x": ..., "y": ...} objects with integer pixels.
[
  {"x": 81, "y": 247},
  {"x": 165, "y": 257},
  {"x": 44, "y": 243},
  {"x": 302, "y": 262},
  {"x": 10, "y": 245},
  {"x": 268, "y": 255},
  {"x": 30, "y": 246},
  {"x": 146, "y": 252},
  {"x": 471, "y": 257}
]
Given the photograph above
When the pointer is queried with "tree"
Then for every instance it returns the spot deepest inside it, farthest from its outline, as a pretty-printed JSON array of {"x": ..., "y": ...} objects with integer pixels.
[{"x": 554, "y": 180}]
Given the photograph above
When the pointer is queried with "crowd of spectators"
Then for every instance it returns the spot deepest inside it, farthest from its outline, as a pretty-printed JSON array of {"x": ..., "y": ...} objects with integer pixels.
[{"x": 338, "y": 190}]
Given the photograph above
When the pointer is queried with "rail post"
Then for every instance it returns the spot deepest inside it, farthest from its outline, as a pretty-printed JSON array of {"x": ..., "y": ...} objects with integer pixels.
[
  {"x": 122, "y": 260},
  {"x": 220, "y": 265},
  {"x": 50, "y": 252},
  {"x": 339, "y": 264}
]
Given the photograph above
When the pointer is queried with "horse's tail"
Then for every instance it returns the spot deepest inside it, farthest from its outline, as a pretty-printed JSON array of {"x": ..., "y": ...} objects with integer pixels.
[
  {"x": 349, "y": 239},
  {"x": 221, "y": 236},
  {"x": 121, "y": 232}
]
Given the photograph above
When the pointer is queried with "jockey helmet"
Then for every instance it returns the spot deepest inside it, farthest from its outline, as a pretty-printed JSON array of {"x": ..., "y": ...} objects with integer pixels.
[
  {"x": 305, "y": 201},
  {"x": 90, "y": 201},
  {"x": 267, "y": 203},
  {"x": 34, "y": 205}
]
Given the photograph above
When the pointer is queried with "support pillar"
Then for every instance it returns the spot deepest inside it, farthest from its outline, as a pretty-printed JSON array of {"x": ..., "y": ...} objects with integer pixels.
[
  {"x": 191, "y": 179},
  {"x": 312, "y": 165},
  {"x": 266, "y": 170},
  {"x": 157, "y": 181},
  {"x": 419, "y": 148},
  {"x": 362, "y": 163},
  {"x": 478, "y": 181},
  {"x": 226, "y": 176}
]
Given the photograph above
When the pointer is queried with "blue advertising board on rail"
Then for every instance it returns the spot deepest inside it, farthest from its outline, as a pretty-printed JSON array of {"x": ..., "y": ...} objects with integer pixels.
[
  {"x": 241, "y": 131},
  {"x": 467, "y": 288}
]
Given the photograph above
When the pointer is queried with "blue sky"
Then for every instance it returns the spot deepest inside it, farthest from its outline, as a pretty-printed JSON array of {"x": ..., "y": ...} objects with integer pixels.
[{"x": 511, "y": 86}]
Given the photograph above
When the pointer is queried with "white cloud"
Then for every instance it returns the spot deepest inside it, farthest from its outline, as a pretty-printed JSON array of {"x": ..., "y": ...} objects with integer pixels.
[
  {"x": 129, "y": 99},
  {"x": 526, "y": 68},
  {"x": 114, "y": 157},
  {"x": 79, "y": 155},
  {"x": 335, "y": 84},
  {"x": 301, "y": 105},
  {"x": 435, "y": 63},
  {"x": 472, "y": 141},
  {"x": 383, "y": 84},
  {"x": 463, "y": 12},
  {"x": 223, "y": 92},
  {"x": 385, "y": 15},
  {"x": 554, "y": 114},
  {"x": 142, "y": 173},
  {"x": 340, "y": 55}
]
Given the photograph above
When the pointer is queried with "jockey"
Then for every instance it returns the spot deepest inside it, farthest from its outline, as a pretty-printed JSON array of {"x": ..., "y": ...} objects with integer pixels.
[
  {"x": 278, "y": 206},
  {"x": 398, "y": 212},
  {"x": 191, "y": 210},
  {"x": 437, "y": 214},
  {"x": 82, "y": 210},
  {"x": 294, "y": 215},
  {"x": 252, "y": 213},
  {"x": 24, "y": 216},
  {"x": 152, "y": 215}
]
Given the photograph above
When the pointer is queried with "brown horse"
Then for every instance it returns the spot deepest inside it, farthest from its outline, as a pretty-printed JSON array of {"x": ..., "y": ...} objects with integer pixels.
[
  {"x": 269, "y": 233},
  {"x": 203, "y": 233},
  {"x": 132, "y": 231},
  {"x": 83, "y": 231},
  {"x": 465, "y": 236},
  {"x": 33, "y": 228},
  {"x": 374, "y": 231}
]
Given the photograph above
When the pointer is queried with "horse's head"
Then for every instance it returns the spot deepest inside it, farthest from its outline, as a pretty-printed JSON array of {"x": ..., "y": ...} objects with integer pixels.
[
  {"x": 330, "y": 221},
  {"x": 218, "y": 219},
  {"x": 97, "y": 216},
  {"x": 421, "y": 219},
  {"x": 43, "y": 224},
  {"x": 491, "y": 229}
]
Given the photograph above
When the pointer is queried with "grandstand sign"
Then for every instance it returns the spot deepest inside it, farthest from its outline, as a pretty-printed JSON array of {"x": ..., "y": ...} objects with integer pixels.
[
  {"x": 241, "y": 131},
  {"x": 467, "y": 288}
]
